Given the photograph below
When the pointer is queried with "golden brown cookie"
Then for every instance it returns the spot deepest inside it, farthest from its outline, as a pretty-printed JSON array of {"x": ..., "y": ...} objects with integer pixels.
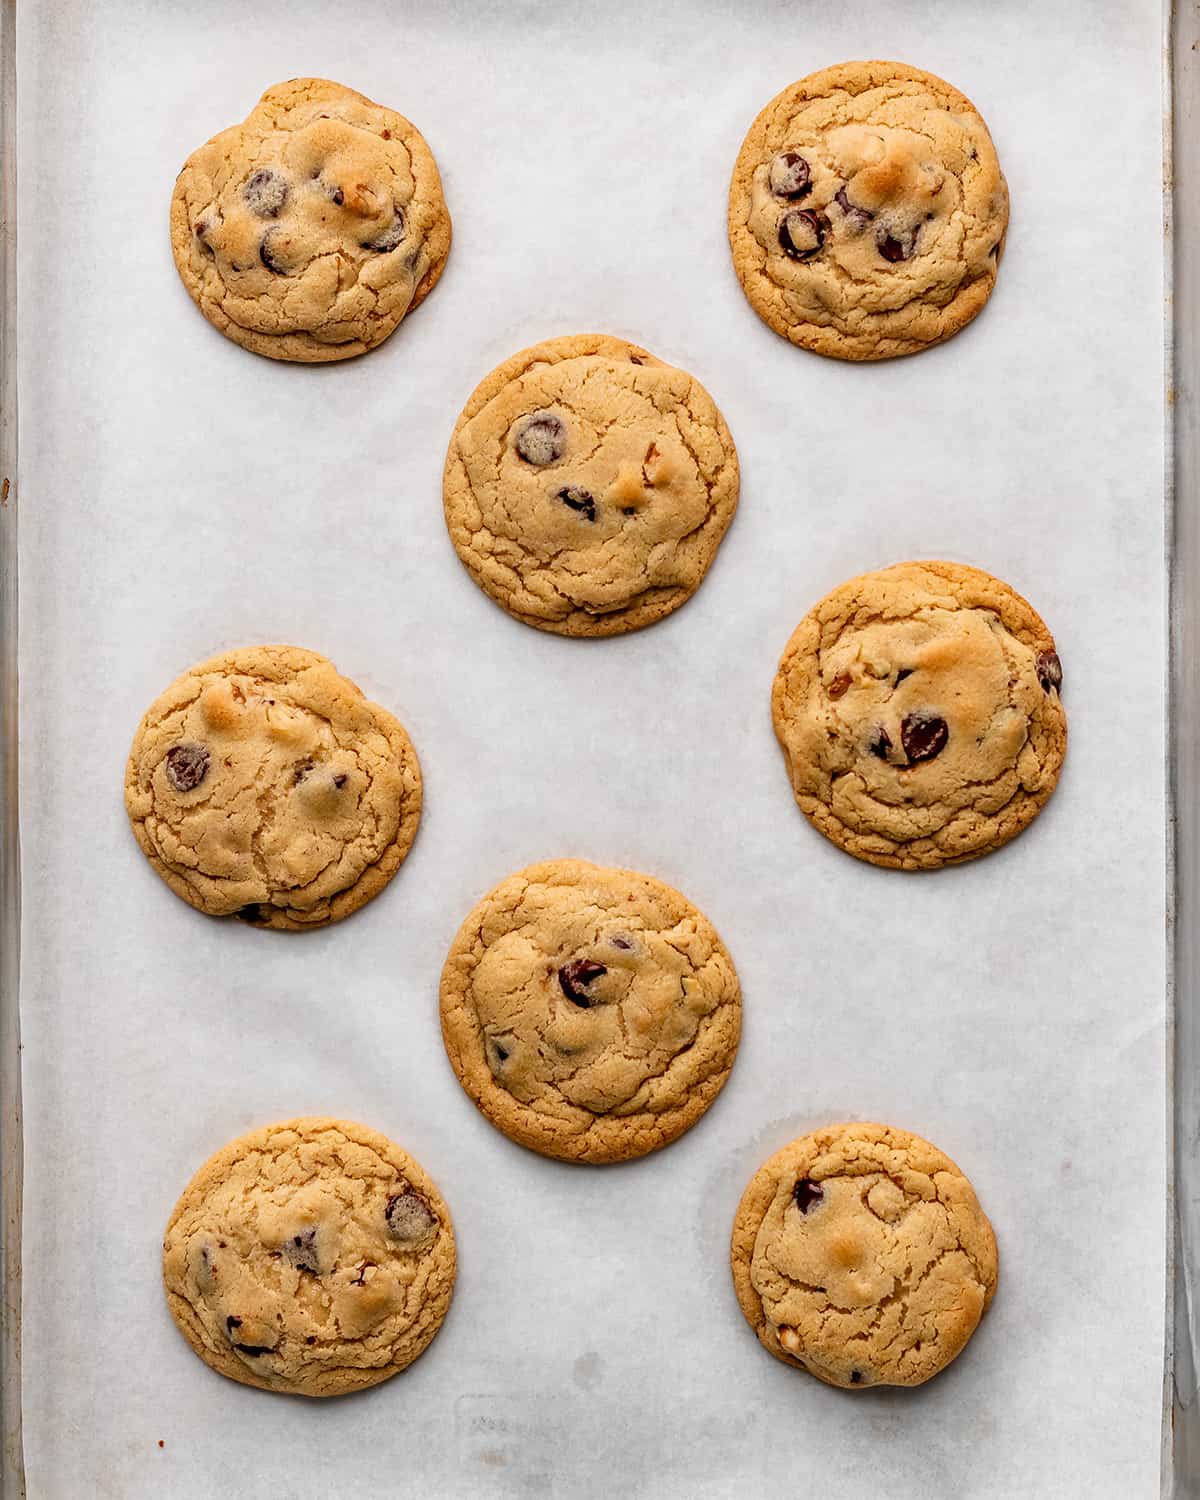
[
  {"x": 867, "y": 211},
  {"x": 860, "y": 1254},
  {"x": 309, "y": 230},
  {"x": 920, "y": 715},
  {"x": 592, "y": 1014},
  {"x": 588, "y": 486},
  {"x": 313, "y": 1256},
  {"x": 263, "y": 785}
]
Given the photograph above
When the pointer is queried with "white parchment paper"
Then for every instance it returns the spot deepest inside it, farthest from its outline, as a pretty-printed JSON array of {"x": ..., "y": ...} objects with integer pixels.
[{"x": 180, "y": 496}]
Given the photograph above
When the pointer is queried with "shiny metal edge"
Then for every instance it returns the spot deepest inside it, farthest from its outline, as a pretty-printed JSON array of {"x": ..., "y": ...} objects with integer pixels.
[
  {"x": 1181, "y": 207},
  {"x": 12, "y": 1467}
]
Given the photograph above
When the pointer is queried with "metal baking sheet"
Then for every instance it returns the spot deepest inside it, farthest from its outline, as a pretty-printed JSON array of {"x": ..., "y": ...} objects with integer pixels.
[{"x": 178, "y": 496}]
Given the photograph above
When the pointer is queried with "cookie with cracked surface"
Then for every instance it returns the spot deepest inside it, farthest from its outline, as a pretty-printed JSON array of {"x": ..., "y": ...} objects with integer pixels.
[
  {"x": 919, "y": 712},
  {"x": 592, "y": 1014},
  {"x": 860, "y": 1254},
  {"x": 263, "y": 785},
  {"x": 588, "y": 486},
  {"x": 867, "y": 211},
  {"x": 313, "y": 1257},
  {"x": 311, "y": 229}
]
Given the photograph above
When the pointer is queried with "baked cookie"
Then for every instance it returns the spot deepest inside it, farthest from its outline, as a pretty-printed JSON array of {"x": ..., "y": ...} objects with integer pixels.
[
  {"x": 588, "y": 486},
  {"x": 313, "y": 1257},
  {"x": 919, "y": 712},
  {"x": 263, "y": 785},
  {"x": 309, "y": 230},
  {"x": 592, "y": 1014},
  {"x": 867, "y": 211},
  {"x": 860, "y": 1254}
]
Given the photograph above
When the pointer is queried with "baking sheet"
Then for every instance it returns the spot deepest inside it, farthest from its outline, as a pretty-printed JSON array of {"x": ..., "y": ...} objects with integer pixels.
[{"x": 180, "y": 496}]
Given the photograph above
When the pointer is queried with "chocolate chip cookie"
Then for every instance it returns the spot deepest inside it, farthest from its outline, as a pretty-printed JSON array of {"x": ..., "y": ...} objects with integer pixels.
[
  {"x": 313, "y": 1257},
  {"x": 860, "y": 1254},
  {"x": 867, "y": 211},
  {"x": 919, "y": 709},
  {"x": 309, "y": 230},
  {"x": 262, "y": 784},
  {"x": 592, "y": 1014},
  {"x": 588, "y": 486}
]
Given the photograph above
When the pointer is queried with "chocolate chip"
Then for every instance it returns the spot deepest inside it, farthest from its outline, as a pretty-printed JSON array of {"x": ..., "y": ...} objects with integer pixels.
[
  {"x": 893, "y": 249},
  {"x": 311, "y": 1339},
  {"x": 902, "y": 674},
  {"x": 340, "y": 780},
  {"x": 579, "y": 500},
  {"x": 542, "y": 438},
  {"x": 266, "y": 192},
  {"x": 806, "y": 1193},
  {"x": 268, "y": 251},
  {"x": 302, "y": 771},
  {"x": 409, "y": 1217},
  {"x": 839, "y": 684},
  {"x": 856, "y": 1377},
  {"x": 301, "y": 1250},
  {"x": 187, "y": 766},
  {"x": 390, "y": 237},
  {"x": 881, "y": 745},
  {"x": 790, "y": 175},
  {"x": 802, "y": 233},
  {"x": 252, "y": 1349},
  {"x": 338, "y": 197},
  {"x": 252, "y": 913},
  {"x": 857, "y": 217},
  {"x": 619, "y": 940},
  {"x": 576, "y": 976},
  {"x": 923, "y": 736},
  {"x": 501, "y": 1054},
  {"x": 1049, "y": 670}
]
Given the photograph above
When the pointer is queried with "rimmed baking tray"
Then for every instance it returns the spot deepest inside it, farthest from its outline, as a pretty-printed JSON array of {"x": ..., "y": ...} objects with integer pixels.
[{"x": 1032, "y": 1013}]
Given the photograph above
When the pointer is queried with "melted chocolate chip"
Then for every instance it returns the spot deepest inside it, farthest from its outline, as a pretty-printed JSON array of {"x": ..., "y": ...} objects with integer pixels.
[
  {"x": 857, "y": 218},
  {"x": 902, "y": 674},
  {"x": 580, "y": 501},
  {"x": 806, "y": 1193},
  {"x": 893, "y": 249},
  {"x": 252, "y": 1349},
  {"x": 268, "y": 253},
  {"x": 802, "y": 233},
  {"x": 301, "y": 1249},
  {"x": 302, "y": 771},
  {"x": 1049, "y": 670},
  {"x": 923, "y": 736},
  {"x": 187, "y": 766},
  {"x": 409, "y": 1217},
  {"x": 265, "y": 193},
  {"x": 390, "y": 237},
  {"x": 856, "y": 1377},
  {"x": 839, "y": 684},
  {"x": 881, "y": 744},
  {"x": 576, "y": 976},
  {"x": 252, "y": 913},
  {"x": 338, "y": 197},
  {"x": 542, "y": 439},
  {"x": 790, "y": 175}
]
